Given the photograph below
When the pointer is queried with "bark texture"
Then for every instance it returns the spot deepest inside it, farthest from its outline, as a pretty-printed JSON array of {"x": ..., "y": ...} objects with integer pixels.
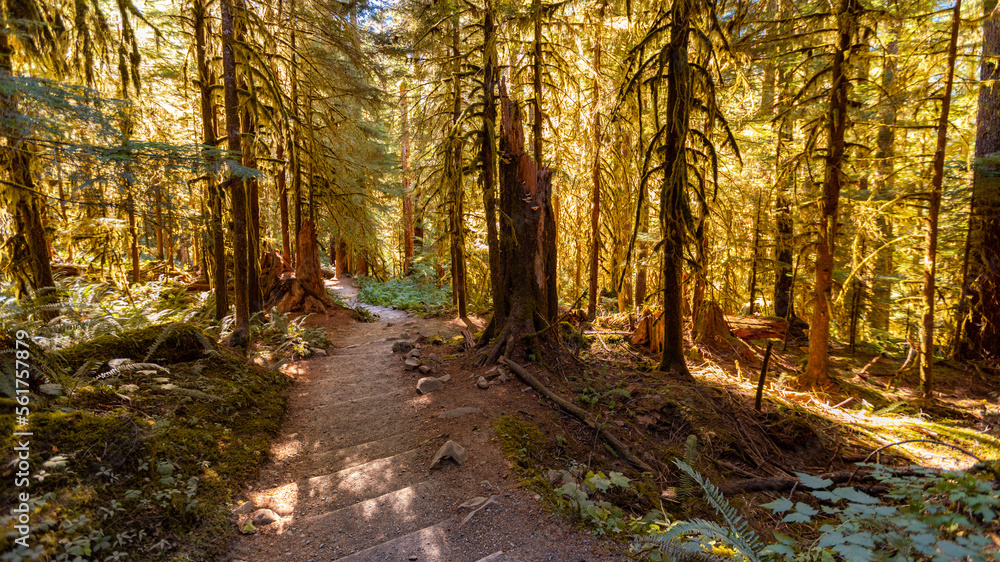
[{"x": 527, "y": 245}]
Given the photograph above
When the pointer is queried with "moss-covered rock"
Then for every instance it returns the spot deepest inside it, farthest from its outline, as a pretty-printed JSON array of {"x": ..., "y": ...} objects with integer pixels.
[{"x": 170, "y": 343}]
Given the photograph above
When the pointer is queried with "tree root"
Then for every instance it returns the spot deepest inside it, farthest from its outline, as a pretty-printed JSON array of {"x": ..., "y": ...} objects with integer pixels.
[{"x": 579, "y": 413}]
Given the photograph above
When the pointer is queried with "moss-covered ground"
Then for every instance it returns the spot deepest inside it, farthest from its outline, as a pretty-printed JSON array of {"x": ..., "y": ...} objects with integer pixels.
[{"x": 142, "y": 464}]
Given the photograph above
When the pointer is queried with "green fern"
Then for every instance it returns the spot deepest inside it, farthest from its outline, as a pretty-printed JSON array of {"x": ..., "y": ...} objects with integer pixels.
[
  {"x": 128, "y": 367},
  {"x": 690, "y": 455},
  {"x": 206, "y": 343},
  {"x": 678, "y": 553},
  {"x": 890, "y": 408},
  {"x": 735, "y": 532},
  {"x": 164, "y": 334},
  {"x": 693, "y": 551}
]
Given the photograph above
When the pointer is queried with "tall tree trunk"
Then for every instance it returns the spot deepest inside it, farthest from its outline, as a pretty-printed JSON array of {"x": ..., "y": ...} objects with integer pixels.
[
  {"x": 158, "y": 227},
  {"x": 487, "y": 139},
  {"x": 133, "y": 235},
  {"x": 595, "y": 212},
  {"x": 407, "y": 197},
  {"x": 208, "y": 134},
  {"x": 456, "y": 219},
  {"x": 241, "y": 333},
  {"x": 536, "y": 124},
  {"x": 286, "y": 245},
  {"x": 934, "y": 210},
  {"x": 878, "y": 316},
  {"x": 293, "y": 147},
  {"x": 980, "y": 321},
  {"x": 672, "y": 193},
  {"x": 28, "y": 207},
  {"x": 817, "y": 368},
  {"x": 643, "y": 206},
  {"x": 756, "y": 256},
  {"x": 248, "y": 123},
  {"x": 700, "y": 272}
]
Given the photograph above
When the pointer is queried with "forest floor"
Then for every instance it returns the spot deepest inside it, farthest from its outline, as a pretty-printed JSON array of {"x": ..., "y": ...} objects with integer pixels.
[{"x": 349, "y": 475}]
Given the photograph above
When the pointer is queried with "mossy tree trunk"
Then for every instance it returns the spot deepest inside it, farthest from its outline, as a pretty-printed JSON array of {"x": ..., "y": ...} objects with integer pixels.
[
  {"x": 30, "y": 249},
  {"x": 675, "y": 165},
  {"x": 241, "y": 332},
  {"x": 488, "y": 153},
  {"x": 206, "y": 80}
]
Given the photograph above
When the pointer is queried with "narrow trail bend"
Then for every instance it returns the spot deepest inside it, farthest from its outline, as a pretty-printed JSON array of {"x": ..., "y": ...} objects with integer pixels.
[{"x": 349, "y": 473}]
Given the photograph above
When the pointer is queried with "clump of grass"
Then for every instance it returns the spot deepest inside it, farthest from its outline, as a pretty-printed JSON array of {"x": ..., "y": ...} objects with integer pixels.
[
  {"x": 408, "y": 293},
  {"x": 521, "y": 441}
]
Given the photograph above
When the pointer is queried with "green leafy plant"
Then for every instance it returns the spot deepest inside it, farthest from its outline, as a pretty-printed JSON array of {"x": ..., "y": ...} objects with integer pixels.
[
  {"x": 734, "y": 532},
  {"x": 925, "y": 515},
  {"x": 582, "y": 500}
]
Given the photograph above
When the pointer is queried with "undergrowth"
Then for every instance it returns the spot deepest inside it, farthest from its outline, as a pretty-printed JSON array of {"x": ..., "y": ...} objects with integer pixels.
[{"x": 408, "y": 293}]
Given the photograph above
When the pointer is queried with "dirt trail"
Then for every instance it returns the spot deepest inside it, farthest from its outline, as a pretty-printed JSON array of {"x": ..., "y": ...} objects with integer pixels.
[{"x": 350, "y": 478}]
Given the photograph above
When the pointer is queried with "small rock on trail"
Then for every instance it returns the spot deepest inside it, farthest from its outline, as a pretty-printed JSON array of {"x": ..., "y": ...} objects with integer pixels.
[
  {"x": 450, "y": 450},
  {"x": 264, "y": 517},
  {"x": 428, "y": 384}
]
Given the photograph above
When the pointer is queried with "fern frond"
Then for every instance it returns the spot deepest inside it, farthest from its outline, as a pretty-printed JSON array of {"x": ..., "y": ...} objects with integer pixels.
[
  {"x": 711, "y": 531},
  {"x": 681, "y": 553},
  {"x": 205, "y": 342},
  {"x": 690, "y": 453},
  {"x": 888, "y": 409},
  {"x": 740, "y": 536},
  {"x": 197, "y": 368},
  {"x": 85, "y": 370},
  {"x": 702, "y": 528},
  {"x": 132, "y": 367},
  {"x": 167, "y": 330}
]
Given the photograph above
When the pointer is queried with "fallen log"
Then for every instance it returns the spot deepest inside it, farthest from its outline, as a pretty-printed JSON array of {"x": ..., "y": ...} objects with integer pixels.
[
  {"x": 863, "y": 373},
  {"x": 756, "y": 327},
  {"x": 579, "y": 413}
]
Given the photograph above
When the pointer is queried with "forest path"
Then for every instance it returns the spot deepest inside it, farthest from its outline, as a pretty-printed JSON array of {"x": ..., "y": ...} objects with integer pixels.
[{"x": 349, "y": 474}]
